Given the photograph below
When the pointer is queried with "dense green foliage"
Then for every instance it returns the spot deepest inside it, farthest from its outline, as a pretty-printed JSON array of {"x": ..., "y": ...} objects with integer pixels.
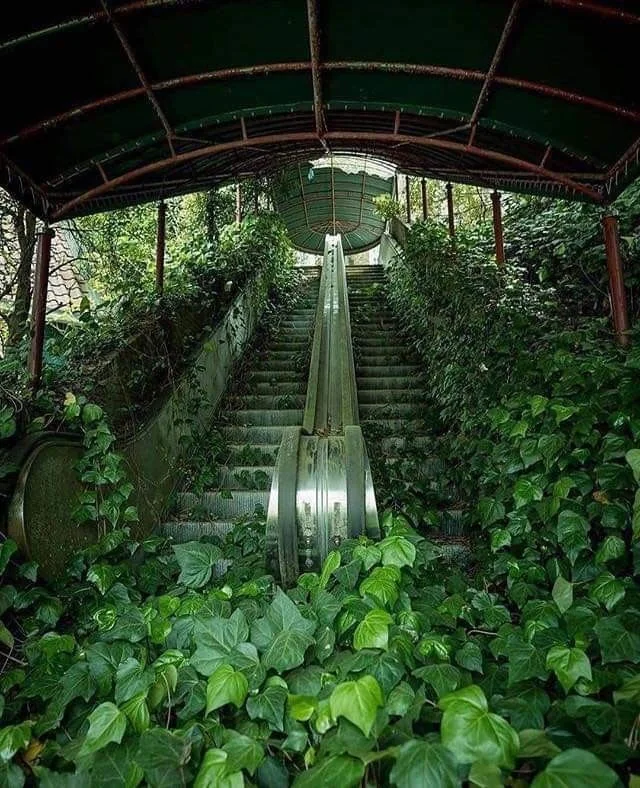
[{"x": 128, "y": 350}]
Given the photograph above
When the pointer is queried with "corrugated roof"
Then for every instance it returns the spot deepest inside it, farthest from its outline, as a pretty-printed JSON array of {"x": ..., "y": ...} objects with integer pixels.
[{"x": 115, "y": 102}]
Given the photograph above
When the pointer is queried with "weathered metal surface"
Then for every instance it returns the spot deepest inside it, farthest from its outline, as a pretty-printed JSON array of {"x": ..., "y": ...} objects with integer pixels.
[
  {"x": 498, "y": 233},
  {"x": 39, "y": 312},
  {"x": 616, "y": 279}
]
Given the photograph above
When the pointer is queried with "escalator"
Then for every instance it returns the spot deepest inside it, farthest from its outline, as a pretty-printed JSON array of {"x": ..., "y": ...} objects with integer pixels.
[{"x": 270, "y": 398}]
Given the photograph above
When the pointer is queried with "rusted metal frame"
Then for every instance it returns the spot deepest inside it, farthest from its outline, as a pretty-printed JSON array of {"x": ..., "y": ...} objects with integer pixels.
[
  {"x": 124, "y": 42},
  {"x": 616, "y": 279},
  {"x": 498, "y": 232},
  {"x": 231, "y": 73},
  {"x": 333, "y": 196},
  {"x": 450, "y": 212},
  {"x": 493, "y": 68},
  {"x": 316, "y": 73},
  {"x": 238, "y": 203},
  {"x": 425, "y": 204},
  {"x": 623, "y": 162},
  {"x": 396, "y": 122},
  {"x": 160, "y": 245},
  {"x": 597, "y": 8},
  {"x": 545, "y": 157},
  {"x": 27, "y": 185},
  {"x": 339, "y": 136},
  {"x": 304, "y": 199},
  {"x": 39, "y": 311},
  {"x": 407, "y": 188},
  {"x": 364, "y": 187}
]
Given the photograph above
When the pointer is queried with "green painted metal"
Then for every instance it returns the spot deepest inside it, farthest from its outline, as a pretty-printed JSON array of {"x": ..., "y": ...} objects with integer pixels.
[
  {"x": 333, "y": 195},
  {"x": 91, "y": 123}
]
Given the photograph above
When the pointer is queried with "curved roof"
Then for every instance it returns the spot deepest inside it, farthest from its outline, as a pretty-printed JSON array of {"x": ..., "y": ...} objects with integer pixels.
[
  {"x": 112, "y": 102},
  {"x": 334, "y": 194}
]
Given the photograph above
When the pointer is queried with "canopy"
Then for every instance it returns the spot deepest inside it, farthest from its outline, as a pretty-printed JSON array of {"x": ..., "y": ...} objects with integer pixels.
[
  {"x": 334, "y": 195},
  {"x": 108, "y": 103}
]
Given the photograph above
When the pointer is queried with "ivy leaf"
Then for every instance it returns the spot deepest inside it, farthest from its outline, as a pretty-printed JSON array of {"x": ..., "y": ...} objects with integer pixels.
[
  {"x": 490, "y": 511},
  {"x": 331, "y": 563},
  {"x": 226, "y": 685},
  {"x": 269, "y": 705},
  {"x": 572, "y": 533},
  {"x": 339, "y": 770},
  {"x": 607, "y": 589},
  {"x": 485, "y": 775},
  {"x": 217, "y": 639},
  {"x": 162, "y": 756},
  {"x": 114, "y": 767},
  {"x": 526, "y": 491},
  {"x": 576, "y": 768},
  {"x": 283, "y": 634},
  {"x": 302, "y": 707},
  {"x": 370, "y": 555},
  {"x": 617, "y": 643},
  {"x": 215, "y": 771},
  {"x": 243, "y": 752},
  {"x": 500, "y": 537},
  {"x": 397, "y": 551},
  {"x": 422, "y": 764},
  {"x": 612, "y": 547},
  {"x": 137, "y": 712},
  {"x": 633, "y": 459},
  {"x": 525, "y": 662},
  {"x": 474, "y": 733},
  {"x": 470, "y": 657},
  {"x": 132, "y": 679},
  {"x": 14, "y": 738},
  {"x": 196, "y": 561},
  {"x": 357, "y": 701},
  {"x": 569, "y": 665},
  {"x": 535, "y": 743},
  {"x": 106, "y": 724},
  {"x": 562, "y": 594},
  {"x": 400, "y": 699},
  {"x": 443, "y": 678},
  {"x": 373, "y": 630},
  {"x": 77, "y": 682},
  {"x": 382, "y": 585}
]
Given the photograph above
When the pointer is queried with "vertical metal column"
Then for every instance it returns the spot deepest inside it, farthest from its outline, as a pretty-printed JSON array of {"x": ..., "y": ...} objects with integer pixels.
[
  {"x": 452, "y": 220},
  {"x": 425, "y": 203},
  {"x": 160, "y": 245},
  {"x": 39, "y": 317},
  {"x": 407, "y": 184},
  {"x": 497, "y": 227},
  {"x": 616, "y": 279},
  {"x": 238, "y": 203}
]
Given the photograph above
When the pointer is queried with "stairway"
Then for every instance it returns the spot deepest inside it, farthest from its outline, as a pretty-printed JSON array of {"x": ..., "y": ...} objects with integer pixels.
[
  {"x": 251, "y": 424},
  {"x": 391, "y": 400}
]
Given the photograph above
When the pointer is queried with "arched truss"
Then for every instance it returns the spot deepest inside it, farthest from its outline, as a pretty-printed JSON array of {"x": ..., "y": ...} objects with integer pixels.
[{"x": 111, "y": 103}]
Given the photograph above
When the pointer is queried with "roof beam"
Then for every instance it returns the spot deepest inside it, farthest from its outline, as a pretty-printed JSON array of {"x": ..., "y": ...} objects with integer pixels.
[
  {"x": 140, "y": 74},
  {"x": 308, "y": 138},
  {"x": 304, "y": 199},
  {"x": 271, "y": 68},
  {"x": 630, "y": 156},
  {"x": 607, "y": 12},
  {"x": 497, "y": 57},
  {"x": 27, "y": 186},
  {"x": 316, "y": 75}
]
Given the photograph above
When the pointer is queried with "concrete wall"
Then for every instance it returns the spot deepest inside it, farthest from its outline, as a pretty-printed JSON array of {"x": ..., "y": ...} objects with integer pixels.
[{"x": 39, "y": 516}]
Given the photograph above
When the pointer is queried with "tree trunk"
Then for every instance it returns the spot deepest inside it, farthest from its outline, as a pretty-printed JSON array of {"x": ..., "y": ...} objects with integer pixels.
[{"x": 25, "y": 228}]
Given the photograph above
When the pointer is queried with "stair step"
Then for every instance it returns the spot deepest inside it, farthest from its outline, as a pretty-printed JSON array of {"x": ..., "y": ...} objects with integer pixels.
[
  {"x": 370, "y": 382},
  {"x": 266, "y": 418},
  {"x": 389, "y": 410},
  {"x": 191, "y": 530},
  {"x": 246, "y": 453},
  {"x": 389, "y": 371},
  {"x": 247, "y": 477},
  {"x": 391, "y": 444},
  {"x": 220, "y": 507},
  {"x": 289, "y": 347},
  {"x": 280, "y": 388},
  {"x": 387, "y": 427},
  {"x": 276, "y": 364},
  {"x": 382, "y": 396},
  {"x": 285, "y": 401},
  {"x": 277, "y": 376},
  {"x": 381, "y": 360},
  {"x": 253, "y": 435}
]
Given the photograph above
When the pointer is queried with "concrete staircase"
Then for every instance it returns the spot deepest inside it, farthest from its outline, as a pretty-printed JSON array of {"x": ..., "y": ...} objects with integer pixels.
[{"x": 251, "y": 423}]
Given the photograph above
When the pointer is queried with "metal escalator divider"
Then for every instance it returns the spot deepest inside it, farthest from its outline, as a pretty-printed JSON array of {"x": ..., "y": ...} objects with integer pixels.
[{"x": 322, "y": 491}]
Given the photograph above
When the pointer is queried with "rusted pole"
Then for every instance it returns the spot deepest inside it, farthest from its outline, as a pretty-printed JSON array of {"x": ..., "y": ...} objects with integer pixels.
[
  {"x": 497, "y": 227},
  {"x": 256, "y": 202},
  {"x": 238, "y": 204},
  {"x": 39, "y": 316},
  {"x": 425, "y": 203},
  {"x": 452, "y": 220},
  {"x": 616, "y": 279},
  {"x": 160, "y": 245},
  {"x": 407, "y": 185}
]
